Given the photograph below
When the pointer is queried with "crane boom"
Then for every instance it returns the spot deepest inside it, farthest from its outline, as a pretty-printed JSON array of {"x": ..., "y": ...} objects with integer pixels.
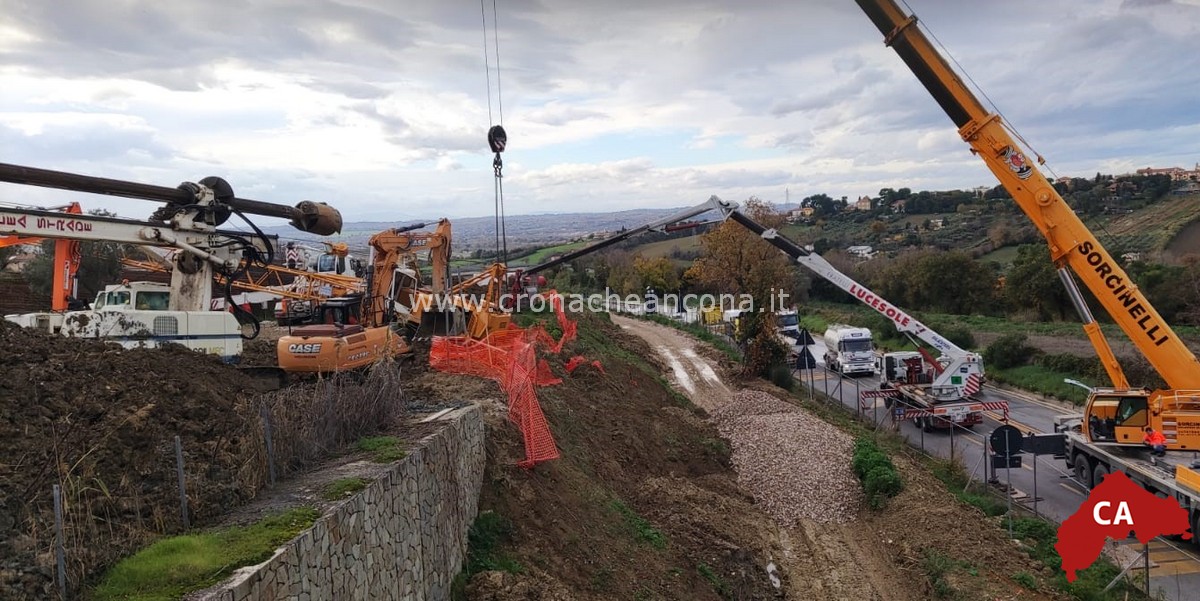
[
  {"x": 713, "y": 204},
  {"x": 1070, "y": 241},
  {"x": 818, "y": 265}
]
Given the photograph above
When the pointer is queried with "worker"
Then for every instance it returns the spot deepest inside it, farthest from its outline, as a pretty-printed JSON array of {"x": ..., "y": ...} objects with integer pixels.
[{"x": 1157, "y": 443}]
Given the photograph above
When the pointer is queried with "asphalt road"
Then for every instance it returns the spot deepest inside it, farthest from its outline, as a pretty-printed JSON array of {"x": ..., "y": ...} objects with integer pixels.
[{"x": 1042, "y": 484}]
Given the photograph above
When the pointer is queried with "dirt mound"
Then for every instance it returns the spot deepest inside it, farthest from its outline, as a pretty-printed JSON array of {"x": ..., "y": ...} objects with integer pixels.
[
  {"x": 642, "y": 504},
  {"x": 100, "y": 421}
]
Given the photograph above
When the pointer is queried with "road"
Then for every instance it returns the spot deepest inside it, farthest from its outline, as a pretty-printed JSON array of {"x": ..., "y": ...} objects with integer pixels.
[{"x": 1042, "y": 484}]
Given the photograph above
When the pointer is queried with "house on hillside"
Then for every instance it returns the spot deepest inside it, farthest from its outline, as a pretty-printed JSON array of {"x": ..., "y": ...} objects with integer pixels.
[
  {"x": 863, "y": 203},
  {"x": 862, "y": 252}
]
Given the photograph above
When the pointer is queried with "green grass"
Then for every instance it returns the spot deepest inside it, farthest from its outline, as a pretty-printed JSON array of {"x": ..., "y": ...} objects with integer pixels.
[
  {"x": 1036, "y": 378},
  {"x": 1041, "y": 536},
  {"x": 488, "y": 534},
  {"x": 716, "y": 581},
  {"x": 663, "y": 248},
  {"x": 383, "y": 449},
  {"x": 342, "y": 488},
  {"x": 174, "y": 566},
  {"x": 1003, "y": 255},
  {"x": 641, "y": 529},
  {"x": 937, "y": 566},
  {"x": 1026, "y": 580},
  {"x": 956, "y": 480},
  {"x": 542, "y": 254}
]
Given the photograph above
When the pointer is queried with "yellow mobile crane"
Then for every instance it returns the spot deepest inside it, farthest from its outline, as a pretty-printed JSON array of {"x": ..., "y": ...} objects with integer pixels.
[{"x": 1109, "y": 435}]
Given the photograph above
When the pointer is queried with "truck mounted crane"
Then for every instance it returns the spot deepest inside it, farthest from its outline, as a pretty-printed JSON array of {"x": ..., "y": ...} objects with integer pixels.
[
  {"x": 187, "y": 221},
  {"x": 1108, "y": 435},
  {"x": 937, "y": 392}
]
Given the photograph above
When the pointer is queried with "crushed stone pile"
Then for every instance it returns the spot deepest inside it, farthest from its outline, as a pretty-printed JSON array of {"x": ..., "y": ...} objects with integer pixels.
[
  {"x": 795, "y": 465},
  {"x": 100, "y": 421}
]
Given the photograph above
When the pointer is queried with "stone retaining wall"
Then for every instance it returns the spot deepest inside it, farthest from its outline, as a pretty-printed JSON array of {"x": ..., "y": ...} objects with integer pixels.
[{"x": 403, "y": 537}]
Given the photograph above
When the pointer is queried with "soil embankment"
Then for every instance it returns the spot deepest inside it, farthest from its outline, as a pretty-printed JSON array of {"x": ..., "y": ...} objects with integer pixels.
[{"x": 797, "y": 467}]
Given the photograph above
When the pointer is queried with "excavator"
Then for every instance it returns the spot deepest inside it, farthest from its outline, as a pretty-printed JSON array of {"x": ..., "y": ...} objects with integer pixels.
[
  {"x": 302, "y": 297},
  {"x": 363, "y": 330},
  {"x": 67, "y": 258},
  {"x": 1115, "y": 416},
  {"x": 188, "y": 221}
]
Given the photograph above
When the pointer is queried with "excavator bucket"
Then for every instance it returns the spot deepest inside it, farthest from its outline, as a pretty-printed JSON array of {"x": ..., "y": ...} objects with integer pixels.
[{"x": 451, "y": 322}]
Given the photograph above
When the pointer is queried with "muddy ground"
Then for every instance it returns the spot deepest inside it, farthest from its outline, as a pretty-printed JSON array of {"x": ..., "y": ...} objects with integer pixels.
[
  {"x": 100, "y": 422},
  {"x": 881, "y": 555}
]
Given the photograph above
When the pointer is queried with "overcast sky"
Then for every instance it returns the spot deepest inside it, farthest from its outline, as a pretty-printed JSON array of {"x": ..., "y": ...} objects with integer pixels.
[{"x": 381, "y": 108}]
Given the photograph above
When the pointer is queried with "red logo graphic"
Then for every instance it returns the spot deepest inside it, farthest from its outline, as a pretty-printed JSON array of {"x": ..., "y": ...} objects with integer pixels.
[
  {"x": 1016, "y": 162},
  {"x": 1115, "y": 508}
]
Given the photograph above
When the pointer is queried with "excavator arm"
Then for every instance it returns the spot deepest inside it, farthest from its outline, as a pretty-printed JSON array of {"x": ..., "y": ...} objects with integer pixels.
[
  {"x": 67, "y": 257},
  {"x": 1071, "y": 243}
]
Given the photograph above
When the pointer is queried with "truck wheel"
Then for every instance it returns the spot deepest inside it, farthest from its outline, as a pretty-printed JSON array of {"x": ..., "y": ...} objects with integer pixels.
[
  {"x": 1083, "y": 470},
  {"x": 1098, "y": 474},
  {"x": 1196, "y": 527}
]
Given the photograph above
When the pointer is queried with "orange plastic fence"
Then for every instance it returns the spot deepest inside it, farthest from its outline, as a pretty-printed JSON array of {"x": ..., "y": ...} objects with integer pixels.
[
  {"x": 578, "y": 360},
  {"x": 510, "y": 357}
]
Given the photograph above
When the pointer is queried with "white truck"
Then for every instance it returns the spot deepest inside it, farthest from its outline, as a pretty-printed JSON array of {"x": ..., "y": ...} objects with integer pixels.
[
  {"x": 136, "y": 315},
  {"x": 849, "y": 350}
]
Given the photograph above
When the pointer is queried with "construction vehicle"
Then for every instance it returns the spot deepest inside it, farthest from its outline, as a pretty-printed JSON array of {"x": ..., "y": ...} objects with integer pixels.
[
  {"x": 849, "y": 350},
  {"x": 337, "y": 260},
  {"x": 64, "y": 291},
  {"x": 524, "y": 279},
  {"x": 359, "y": 331},
  {"x": 187, "y": 221},
  {"x": 1108, "y": 435},
  {"x": 938, "y": 390}
]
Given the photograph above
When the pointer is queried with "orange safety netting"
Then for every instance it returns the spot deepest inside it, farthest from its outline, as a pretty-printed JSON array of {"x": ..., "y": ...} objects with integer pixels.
[
  {"x": 510, "y": 357},
  {"x": 578, "y": 360}
]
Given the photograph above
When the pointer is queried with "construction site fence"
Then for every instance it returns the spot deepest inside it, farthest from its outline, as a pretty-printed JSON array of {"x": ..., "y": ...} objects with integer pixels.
[
  {"x": 511, "y": 358},
  {"x": 861, "y": 397}
]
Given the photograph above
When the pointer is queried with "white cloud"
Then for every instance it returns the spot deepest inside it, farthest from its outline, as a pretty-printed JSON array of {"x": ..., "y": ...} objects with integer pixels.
[{"x": 608, "y": 106}]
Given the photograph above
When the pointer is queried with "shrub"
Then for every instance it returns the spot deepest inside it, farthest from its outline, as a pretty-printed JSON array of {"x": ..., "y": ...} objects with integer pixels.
[
  {"x": 882, "y": 483},
  {"x": 1009, "y": 350},
  {"x": 879, "y": 477},
  {"x": 866, "y": 459},
  {"x": 781, "y": 376},
  {"x": 960, "y": 336}
]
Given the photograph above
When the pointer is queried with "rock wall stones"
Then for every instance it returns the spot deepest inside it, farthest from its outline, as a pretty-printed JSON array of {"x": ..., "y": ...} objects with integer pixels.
[{"x": 403, "y": 537}]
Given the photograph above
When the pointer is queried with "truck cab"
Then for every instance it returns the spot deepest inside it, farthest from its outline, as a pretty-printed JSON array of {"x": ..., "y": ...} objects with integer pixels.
[
  {"x": 787, "y": 330},
  {"x": 137, "y": 315},
  {"x": 849, "y": 350}
]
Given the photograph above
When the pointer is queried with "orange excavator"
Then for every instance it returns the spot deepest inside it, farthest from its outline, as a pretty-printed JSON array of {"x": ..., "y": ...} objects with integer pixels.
[
  {"x": 66, "y": 262},
  {"x": 367, "y": 331}
]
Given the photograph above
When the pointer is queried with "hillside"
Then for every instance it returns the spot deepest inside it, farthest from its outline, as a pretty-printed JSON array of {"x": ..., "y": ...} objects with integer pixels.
[
  {"x": 1166, "y": 231},
  {"x": 480, "y": 232}
]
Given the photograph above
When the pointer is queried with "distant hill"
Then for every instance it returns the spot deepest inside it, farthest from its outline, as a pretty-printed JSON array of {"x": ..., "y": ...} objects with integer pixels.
[{"x": 480, "y": 232}]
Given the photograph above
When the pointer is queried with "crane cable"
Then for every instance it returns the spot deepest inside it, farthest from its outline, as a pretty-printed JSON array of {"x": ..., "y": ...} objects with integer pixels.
[
  {"x": 497, "y": 138},
  {"x": 1003, "y": 120}
]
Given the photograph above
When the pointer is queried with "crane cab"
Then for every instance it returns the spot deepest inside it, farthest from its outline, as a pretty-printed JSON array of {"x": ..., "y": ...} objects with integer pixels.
[{"x": 1120, "y": 416}]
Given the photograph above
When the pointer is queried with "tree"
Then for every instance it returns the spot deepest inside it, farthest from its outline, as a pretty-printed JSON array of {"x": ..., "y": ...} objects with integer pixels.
[
  {"x": 1032, "y": 284},
  {"x": 736, "y": 261},
  {"x": 658, "y": 273}
]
